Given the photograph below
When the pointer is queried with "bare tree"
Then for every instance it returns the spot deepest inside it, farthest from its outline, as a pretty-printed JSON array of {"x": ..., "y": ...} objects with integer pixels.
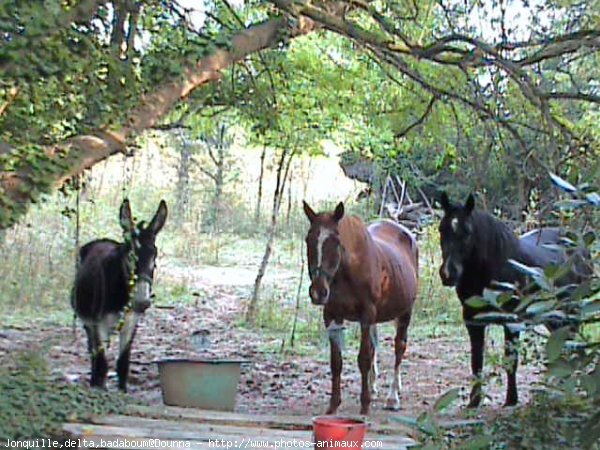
[{"x": 283, "y": 167}]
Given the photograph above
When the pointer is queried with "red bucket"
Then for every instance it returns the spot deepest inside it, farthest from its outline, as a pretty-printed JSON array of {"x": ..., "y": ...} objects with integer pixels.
[{"x": 330, "y": 431}]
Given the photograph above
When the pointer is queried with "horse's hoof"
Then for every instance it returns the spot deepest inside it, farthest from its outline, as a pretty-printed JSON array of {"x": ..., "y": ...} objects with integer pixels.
[
  {"x": 392, "y": 406},
  {"x": 510, "y": 403},
  {"x": 364, "y": 411}
]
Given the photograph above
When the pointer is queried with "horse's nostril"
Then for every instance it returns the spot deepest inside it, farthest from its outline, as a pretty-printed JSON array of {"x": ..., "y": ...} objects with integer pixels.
[{"x": 323, "y": 293}]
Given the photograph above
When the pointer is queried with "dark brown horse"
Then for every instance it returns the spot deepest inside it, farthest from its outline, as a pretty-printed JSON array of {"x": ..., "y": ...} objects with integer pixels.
[
  {"x": 114, "y": 280},
  {"x": 366, "y": 275},
  {"x": 476, "y": 249}
]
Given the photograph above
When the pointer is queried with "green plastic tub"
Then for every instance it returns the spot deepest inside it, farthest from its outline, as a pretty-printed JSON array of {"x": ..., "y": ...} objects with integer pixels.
[{"x": 200, "y": 383}]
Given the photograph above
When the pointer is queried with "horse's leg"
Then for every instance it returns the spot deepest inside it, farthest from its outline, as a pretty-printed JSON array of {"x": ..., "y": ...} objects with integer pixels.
[
  {"x": 374, "y": 370},
  {"x": 393, "y": 399},
  {"x": 365, "y": 362},
  {"x": 126, "y": 336},
  {"x": 477, "y": 338},
  {"x": 511, "y": 353},
  {"x": 335, "y": 332}
]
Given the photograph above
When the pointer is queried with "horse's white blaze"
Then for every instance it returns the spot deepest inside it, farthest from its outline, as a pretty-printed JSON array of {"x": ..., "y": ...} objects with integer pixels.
[
  {"x": 129, "y": 326},
  {"x": 446, "y": 268},
  {"x": 454, "y": 224},
  {"x": 324, "y": 234},
  {"x": 450, "y": 263}
]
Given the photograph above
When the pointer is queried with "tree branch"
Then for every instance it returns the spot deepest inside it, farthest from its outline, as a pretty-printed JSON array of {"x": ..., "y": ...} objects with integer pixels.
[
  {"x": 419, "y": 121},
  {"x": 22, "y": 186}
]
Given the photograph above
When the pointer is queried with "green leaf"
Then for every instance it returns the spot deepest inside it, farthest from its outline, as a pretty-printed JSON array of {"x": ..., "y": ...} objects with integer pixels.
[
  {"x": 593, "y": 198},
  {"x": 496, "y": 317},
  {"x": 562, "y": 184},
  {"x": 541, "y": 307},
  {"x": 569, "y": 205},
  {"x": 560, "y": 369},
  {"x": 527, "y": 270},
  {"x": 477, "y": 443},
  {"x": 476, "y": 302},
  {"x": 555, "y": 343},
  {"x": 446, "y": 399}
]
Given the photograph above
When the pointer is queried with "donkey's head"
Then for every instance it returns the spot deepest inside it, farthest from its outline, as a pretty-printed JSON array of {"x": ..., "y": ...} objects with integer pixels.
[
  {"x": 140, "y": 240},
  {"x": 324, "y": 251}
]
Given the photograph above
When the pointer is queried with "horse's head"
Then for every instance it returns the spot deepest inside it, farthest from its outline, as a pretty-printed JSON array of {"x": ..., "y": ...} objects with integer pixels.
[
  {"x": 140, "y": 240},
  {"x": 456, "y": 238},
  {"x": 324, "y": 251}
]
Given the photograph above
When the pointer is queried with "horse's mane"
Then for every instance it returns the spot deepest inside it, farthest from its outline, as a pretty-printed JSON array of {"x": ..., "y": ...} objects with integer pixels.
[
  {"x": 495, "y": 242},
  {"x": 353, "y": 234}
]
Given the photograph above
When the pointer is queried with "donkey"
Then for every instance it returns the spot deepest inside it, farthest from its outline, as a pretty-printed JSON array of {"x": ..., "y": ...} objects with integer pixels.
[
  {"x": 365, "y": 274},
  {"x": 476, "y": 249},
  {"x": 114, "y": 281}
]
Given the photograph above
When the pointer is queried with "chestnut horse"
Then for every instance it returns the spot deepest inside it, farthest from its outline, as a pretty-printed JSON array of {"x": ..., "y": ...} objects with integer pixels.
[{"x": 365, "y": 274}]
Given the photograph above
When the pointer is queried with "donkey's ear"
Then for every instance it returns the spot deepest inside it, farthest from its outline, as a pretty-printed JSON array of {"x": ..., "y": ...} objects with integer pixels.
[
  {"x": 309, "y": 212},
  {"x": 469, "y": 204},
  {"x": 125, "y": 218},
  {"x": 159, "y": 219},
  {"x": 339, "y": 212},
  {"x": 445, "y": 201}
]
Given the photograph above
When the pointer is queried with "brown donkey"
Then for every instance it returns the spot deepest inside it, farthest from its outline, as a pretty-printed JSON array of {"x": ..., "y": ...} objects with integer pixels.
[{"x": 361, "y": 274}]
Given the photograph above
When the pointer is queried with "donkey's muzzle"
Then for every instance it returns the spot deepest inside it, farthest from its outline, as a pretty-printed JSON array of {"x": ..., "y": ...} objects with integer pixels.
[{"x": 143, "y": 296}]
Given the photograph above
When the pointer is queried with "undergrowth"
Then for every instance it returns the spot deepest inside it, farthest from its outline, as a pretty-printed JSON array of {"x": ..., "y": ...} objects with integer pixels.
[{"x": 35, "y": 404}]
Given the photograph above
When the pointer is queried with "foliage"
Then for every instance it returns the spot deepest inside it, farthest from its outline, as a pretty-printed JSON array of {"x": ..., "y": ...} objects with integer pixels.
[
  {"x": 570, "y": 392},
  {"x": 34, "y": 403}
]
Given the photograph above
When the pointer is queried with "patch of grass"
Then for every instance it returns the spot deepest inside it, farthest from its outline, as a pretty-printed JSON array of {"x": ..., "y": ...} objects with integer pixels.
[{"x": 35, "y": 404}]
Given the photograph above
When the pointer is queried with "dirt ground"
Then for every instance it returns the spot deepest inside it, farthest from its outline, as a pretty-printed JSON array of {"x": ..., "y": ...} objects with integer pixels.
[{"x": 271, "y": 383}]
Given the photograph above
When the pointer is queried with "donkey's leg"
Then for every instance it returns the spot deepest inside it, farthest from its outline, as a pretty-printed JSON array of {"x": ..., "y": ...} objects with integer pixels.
[
  {"x": 125, "y": 340},
  {"x": 99, "y": 364},
  {"x": 365, "y": 362},
  {"x": 374, "y": 369},
  {"x": 477, "y": 338},
  {"x": 511, "y": 339},
  {"x": 336, "y": 343},
  {"x": 393, "y": 399}
]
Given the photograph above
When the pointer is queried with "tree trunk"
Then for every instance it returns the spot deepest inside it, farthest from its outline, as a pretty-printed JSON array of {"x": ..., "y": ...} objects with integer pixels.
[
  {"x": 182, "y": 188},
  {"x": 282, "y": 173},
  {"x": 260, "y": 185},
  {"x": 297, "y": 308}
]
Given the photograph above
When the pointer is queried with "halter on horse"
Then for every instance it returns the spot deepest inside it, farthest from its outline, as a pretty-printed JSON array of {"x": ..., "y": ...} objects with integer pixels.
[{"x": 366, "y": 275}]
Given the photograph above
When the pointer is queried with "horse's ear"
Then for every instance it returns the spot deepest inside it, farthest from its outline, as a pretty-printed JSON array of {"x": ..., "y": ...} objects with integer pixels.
[
  {"x": 469, "y": 204},
  {"x": 445, "y": 201},
  {"x": 125, "y": 218},
  {"x": 309, "y": 212},
  {"x": 159, "y": 219},
  {"x": 339, "y": 212}
]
